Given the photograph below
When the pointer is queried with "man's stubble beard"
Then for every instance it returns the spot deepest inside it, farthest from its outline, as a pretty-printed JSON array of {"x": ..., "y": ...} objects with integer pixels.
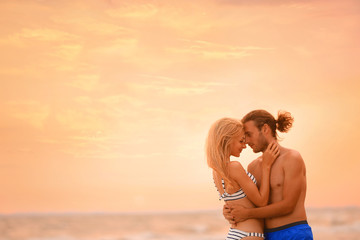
[{"x": 263, "y": 143}]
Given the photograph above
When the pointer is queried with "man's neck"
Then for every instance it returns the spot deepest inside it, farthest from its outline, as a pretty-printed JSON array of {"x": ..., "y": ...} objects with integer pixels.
[{"x": 268, "y": 142}]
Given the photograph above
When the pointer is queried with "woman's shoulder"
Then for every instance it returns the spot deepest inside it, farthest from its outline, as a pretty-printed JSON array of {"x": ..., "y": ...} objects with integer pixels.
[
  {"x": 235, "y": 168},
  {"x": 235, "y": 164}
]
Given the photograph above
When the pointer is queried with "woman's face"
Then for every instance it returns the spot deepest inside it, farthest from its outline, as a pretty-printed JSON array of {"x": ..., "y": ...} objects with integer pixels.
[{"x": 237, "y": 145}]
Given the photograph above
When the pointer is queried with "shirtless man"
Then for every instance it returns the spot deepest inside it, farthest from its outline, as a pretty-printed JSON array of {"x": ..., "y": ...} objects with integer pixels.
[{"x": 285, "y": 216}]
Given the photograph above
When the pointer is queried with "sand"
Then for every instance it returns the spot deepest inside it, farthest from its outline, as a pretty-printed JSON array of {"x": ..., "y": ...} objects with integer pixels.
[{"x": 327, "y": 223}]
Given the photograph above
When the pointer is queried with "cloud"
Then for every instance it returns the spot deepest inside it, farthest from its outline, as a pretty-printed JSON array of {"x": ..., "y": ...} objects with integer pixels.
[
  {"x": 185, "y": 90},
  {"x": 85, "y": 25},
  {"x": 210, "y": 50},
  {"x": 169, "y": 85},
  {"x": 131, "y": 10},
  {"x": 45, "y": 34},
  {"x": 24, "y": 36},
  {"x": 183, "y": 17},
  {"x": 31, "y": 112},
  {"x": 73, "y": 119},
  {"x": 12, "y": 41},
  {"x": 171, "y": 88},
  {"x": 302, "y": 51},
  {"x": 117, "y": 101},
  {"x": 68, "y": 52},
  {"x": 84, "y": 100},
  {"x": 24, "y": 71},
  {"x": 85, "y": 82},
  {"x": 126, "y": 48},
  {"x": 262, "y": 3}
]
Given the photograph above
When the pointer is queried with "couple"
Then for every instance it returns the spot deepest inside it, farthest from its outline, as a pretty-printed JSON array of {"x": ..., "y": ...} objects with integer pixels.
[{"x": 273, "y": 189}]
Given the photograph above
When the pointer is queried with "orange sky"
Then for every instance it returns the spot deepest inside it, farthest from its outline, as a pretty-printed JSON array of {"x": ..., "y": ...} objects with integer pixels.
[{"x": 105, "y": 106}]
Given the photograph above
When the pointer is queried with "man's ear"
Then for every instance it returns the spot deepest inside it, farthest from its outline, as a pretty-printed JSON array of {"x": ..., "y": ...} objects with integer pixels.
[{"x": 265, "y": 129}]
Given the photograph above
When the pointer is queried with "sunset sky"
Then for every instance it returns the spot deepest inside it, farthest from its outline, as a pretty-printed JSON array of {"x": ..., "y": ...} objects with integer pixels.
[{"x": 105, "y": 104}]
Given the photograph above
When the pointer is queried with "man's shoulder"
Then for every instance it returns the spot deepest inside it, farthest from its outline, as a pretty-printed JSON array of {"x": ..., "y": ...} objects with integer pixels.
[
  {"x": 292, "y": 156},
  {"x": 254, "y": 164},
  {"x": 291, "y": 153}
]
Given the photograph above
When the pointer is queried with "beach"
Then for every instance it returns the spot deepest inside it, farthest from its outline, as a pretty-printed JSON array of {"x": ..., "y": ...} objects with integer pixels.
[{"x": 326, "y": 223}]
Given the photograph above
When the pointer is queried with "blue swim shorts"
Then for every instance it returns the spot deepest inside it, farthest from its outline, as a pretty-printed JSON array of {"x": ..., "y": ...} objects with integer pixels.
[{"x": 293, "y": 231}]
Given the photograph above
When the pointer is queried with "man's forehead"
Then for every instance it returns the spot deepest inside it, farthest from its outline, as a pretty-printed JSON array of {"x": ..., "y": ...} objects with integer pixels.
[{"x": 248, "y": 126}]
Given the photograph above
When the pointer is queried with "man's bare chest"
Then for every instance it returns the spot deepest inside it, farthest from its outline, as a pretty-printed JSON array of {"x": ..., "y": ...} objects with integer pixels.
[{"x": 276, "y": 177}]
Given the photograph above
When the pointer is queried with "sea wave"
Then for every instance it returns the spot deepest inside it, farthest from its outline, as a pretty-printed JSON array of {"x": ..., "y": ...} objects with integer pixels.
[{"x": 329, "y": 224}]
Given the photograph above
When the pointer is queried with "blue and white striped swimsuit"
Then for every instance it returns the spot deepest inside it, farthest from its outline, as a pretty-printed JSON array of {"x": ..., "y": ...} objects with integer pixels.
[
  {"x": 236, "y": 234},
  {"x": 237, "y": 195}
]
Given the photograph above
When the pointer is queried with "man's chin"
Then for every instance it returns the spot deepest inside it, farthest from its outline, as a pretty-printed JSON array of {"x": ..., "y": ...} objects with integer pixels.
[{"x": 255, "y": 150}]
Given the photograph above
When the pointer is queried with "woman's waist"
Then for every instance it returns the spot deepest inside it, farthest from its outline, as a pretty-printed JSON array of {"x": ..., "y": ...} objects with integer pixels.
[
  {"x": 244, "y": 202},
  {"x": 250, "y": 225}
]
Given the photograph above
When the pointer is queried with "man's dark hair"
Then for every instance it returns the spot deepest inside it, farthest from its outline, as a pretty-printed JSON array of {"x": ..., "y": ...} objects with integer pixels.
[{"x": 260, "y": 117}]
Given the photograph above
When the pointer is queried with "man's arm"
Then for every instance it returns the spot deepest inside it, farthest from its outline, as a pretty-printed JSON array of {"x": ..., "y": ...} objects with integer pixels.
[{"x": 294, "y": 170}]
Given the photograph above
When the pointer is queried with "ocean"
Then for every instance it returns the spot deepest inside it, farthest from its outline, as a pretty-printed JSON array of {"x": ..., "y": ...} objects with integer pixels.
[{"x": 326, "y": 223}]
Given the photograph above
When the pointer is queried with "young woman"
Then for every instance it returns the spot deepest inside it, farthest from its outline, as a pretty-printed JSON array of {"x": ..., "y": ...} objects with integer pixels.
[{"x": 226, "y": 138}]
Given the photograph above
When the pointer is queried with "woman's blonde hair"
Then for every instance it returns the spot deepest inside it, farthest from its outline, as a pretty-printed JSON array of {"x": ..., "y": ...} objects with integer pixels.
[{"x": 218, "y": 142}]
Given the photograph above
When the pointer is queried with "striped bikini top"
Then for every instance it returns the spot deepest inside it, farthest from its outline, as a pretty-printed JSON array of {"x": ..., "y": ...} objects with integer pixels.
[{"x": 237, "y": 195}]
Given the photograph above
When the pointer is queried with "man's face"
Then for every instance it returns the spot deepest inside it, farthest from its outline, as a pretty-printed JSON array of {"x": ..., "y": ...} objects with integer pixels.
[{"x": 254, "y": 137}]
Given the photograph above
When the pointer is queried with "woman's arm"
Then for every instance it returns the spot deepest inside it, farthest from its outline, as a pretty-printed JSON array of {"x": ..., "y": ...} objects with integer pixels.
[
  {"x": 256, "y": 196},
  {"x": 293, "y": 183}
]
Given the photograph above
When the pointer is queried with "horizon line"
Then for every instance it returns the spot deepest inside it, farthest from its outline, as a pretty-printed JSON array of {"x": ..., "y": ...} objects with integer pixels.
[{"x": 151, "y": 212}]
